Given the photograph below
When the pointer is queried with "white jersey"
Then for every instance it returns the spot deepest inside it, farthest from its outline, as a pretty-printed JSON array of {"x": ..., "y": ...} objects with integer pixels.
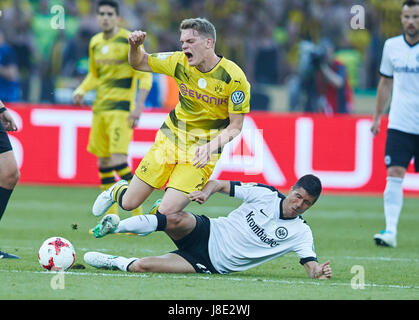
[
  {"x": 400, "y": 61},
  {"x": 256, "y": 232}
]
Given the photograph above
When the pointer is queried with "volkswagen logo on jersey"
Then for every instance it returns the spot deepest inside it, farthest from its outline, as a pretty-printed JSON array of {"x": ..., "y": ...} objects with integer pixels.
[
  {"x": 281, "y": 233},
  {"x": 237, "y": 97}
]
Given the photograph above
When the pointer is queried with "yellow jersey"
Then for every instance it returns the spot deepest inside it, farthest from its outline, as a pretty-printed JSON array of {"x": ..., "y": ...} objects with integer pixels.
[
  {"x": 205, "y": 99},
  {"x": 111, "y": 75}
]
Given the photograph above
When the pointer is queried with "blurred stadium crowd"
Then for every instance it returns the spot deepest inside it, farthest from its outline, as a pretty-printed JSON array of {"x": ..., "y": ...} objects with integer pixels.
[{"x": 276, "y": 42}]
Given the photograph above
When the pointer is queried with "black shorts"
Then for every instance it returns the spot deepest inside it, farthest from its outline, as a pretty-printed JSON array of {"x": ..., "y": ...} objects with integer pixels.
[
  {"x": 4, "y": 140},
  {"x": 401, "y": 147},
  {"x": 194, "y": 247}
]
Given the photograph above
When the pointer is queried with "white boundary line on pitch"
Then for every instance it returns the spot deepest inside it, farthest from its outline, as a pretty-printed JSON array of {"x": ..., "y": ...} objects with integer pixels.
[
  {"x": 177, "y": 277},
  {"x": 383, "y": 259}
]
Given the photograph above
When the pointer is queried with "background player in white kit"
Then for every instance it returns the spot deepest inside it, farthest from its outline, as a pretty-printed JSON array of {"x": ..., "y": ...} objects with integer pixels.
[
  {"x": 399, "y": 74},
  {"x": 267, "y": 225}
]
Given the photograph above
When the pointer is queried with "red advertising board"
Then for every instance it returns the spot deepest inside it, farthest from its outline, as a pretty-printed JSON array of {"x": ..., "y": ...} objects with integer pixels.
[{"x": 274, "y": 149}]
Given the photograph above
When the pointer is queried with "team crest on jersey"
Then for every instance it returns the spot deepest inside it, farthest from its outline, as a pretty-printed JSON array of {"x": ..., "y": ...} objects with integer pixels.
[
  {"x": 218, "y": 88},
  {"x": 387, "y": 160},
  {"x": 281, "y": 233},
  {"x": 237, "y": 97}
]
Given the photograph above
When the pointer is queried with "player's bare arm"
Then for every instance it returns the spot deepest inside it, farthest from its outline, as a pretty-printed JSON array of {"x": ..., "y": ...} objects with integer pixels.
[
  {"x": 211, "y": 187},
  {"x": 318, "y": 271},
  {"x": 384, "y": 89},
  {"x": 137, "y": 57},
  {"x": 135, "y": 114},
  {"x": 203, "y": 153}
]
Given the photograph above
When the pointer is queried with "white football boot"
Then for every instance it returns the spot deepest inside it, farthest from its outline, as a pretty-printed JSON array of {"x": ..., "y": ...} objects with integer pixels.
[
  {"x": 107, "y": 261},
  {"x": 105, "y": 200},
  {"x": 385, "y": 238},
  {"x": 101, "y": 260}
]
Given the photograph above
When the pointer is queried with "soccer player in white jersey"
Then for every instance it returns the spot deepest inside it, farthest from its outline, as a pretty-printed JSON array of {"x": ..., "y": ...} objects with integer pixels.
[
  {"x": 399, "y": 75},
  {"x": 267, "y": 225}
]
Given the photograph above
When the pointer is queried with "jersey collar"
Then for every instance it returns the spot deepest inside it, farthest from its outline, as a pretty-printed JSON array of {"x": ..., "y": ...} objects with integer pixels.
[
  {"x": 281, "y": 214},
  {"x": 410, "y": 45}
]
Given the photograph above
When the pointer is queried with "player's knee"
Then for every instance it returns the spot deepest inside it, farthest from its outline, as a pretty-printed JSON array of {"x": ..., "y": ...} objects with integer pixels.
[
  {"x": 396, "y": 172},
  {"x": 168, "y": 210},
  {"x": 179, "y": 221},
  {"x": 11, "y": 178},
  {"x": 142, "y": 265}
]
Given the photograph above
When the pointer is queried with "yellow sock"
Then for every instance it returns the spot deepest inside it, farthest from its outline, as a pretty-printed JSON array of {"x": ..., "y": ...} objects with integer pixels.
[{"x": 124, "y": 172}]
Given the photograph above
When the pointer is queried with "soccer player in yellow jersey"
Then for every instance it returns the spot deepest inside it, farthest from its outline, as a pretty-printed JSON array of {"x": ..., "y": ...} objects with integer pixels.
[
  {"x": 115, "y": 112},
  {"x": 214, "y": 97}
]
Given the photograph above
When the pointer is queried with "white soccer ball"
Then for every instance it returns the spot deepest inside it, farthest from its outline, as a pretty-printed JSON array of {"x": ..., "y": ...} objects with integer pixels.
[{"x": 56, "y": 254}]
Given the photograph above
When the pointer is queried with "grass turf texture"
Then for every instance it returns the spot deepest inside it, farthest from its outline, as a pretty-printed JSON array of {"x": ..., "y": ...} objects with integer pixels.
[{"x": 342, "y": 226}]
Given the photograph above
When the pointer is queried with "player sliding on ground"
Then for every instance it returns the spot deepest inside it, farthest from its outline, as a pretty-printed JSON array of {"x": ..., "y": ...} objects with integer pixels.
[{"x": 267, "y": 225}]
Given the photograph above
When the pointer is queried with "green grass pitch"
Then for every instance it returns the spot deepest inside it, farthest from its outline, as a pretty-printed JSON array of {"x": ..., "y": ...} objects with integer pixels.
[{"x": 342, "y": 226}]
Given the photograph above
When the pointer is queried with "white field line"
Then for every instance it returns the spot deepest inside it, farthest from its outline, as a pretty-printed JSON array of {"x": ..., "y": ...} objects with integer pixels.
[
  {"x": 383, "y": 259},
  {"x": 223, "y": 278}
]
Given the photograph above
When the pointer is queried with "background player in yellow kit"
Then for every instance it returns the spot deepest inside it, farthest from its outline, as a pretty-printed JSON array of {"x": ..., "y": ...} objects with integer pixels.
[
  {"x": 214, "y": 97},
  {"x": 115, "y": 112}
]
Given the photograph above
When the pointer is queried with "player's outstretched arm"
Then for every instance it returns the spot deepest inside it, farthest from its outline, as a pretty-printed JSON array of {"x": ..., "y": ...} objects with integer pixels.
[
  {"x": 318, "y": 271},
  {"x": 211, "y": 187},
  {"x": 137, "y": 57}
]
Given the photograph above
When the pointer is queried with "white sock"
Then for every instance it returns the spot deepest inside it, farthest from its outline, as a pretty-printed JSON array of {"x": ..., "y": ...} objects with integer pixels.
[
  {"x": 393, "y": 202},
  {"x": 123, "y": 263},
  {"x": 138, "y": 224}
]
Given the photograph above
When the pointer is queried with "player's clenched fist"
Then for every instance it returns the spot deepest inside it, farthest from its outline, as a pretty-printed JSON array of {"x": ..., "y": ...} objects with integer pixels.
[{"x": 137, "y": 38}]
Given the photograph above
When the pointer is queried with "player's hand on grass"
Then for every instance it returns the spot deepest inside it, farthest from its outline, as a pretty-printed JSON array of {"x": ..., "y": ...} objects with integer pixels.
[
  {"x": 8, "y": 122},
  {"x": 198, "y": 196},
  {"x": 137, "y": 38},
  {"x": 325, "y": 271}
]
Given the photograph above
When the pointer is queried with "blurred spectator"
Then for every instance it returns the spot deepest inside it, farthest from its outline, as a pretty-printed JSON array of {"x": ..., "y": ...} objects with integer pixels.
[
  {"x": 264, "y": 55},
  {"x": 321, "y": 84},
  {"x": 76, "y": 54},
  {"x": 334, "y": 90},
  {"x": 9, "y": 74},
  {"x": 49, "y": 41},
  {"x": 16, "y": 23}
]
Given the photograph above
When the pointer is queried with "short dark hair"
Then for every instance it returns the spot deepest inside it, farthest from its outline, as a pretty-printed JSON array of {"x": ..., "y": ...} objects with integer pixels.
[
  {"x": 311, "y": 184},
  {"x": 111, "y": 3},
  {"x": 410, "y": 3}
]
